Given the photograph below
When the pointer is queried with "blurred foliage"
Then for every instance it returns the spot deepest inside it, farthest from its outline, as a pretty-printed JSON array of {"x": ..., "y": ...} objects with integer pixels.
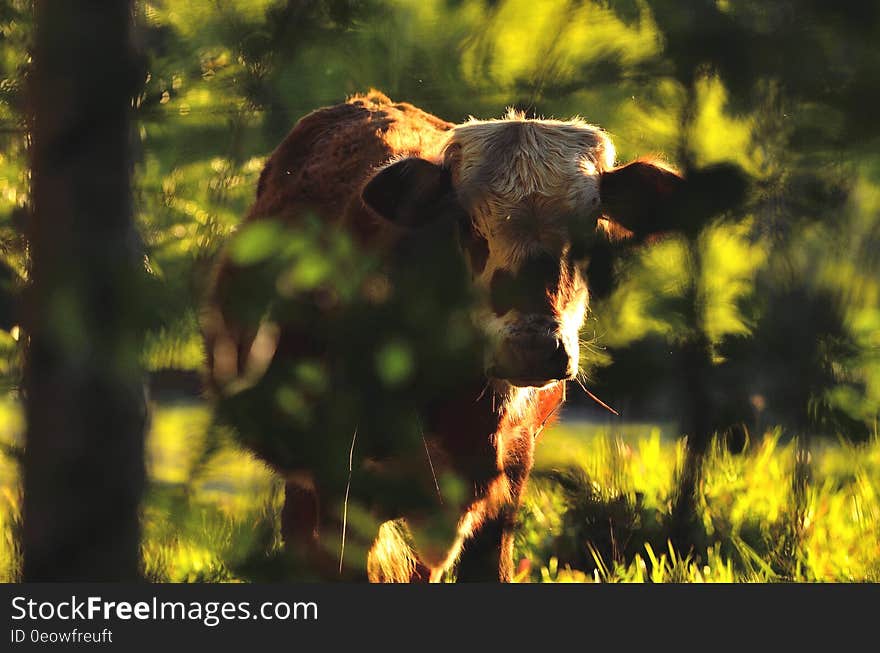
[
  {"x": 781, "y": 286},
  {"x": 217, "y": 520},
  {"x": 782, "y": 91},
  {"x": 362, "y": 362}
]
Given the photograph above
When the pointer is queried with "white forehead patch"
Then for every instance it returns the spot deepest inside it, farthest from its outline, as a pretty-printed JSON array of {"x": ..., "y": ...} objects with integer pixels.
[
  {"x": 515, "y": 158},
  {"x": 523, "y": 180}
]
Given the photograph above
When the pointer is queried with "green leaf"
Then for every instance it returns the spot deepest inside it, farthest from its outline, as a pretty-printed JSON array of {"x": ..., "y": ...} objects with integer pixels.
[{"x": 256, "y": 242}]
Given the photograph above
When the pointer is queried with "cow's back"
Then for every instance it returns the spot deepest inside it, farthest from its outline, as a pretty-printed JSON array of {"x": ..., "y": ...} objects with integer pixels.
[
  {"x": 319, "y": 169},
  {"x": 327, "y": 157}
]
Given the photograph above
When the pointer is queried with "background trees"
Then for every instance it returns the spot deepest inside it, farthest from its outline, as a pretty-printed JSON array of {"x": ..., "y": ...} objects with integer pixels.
[
  {"x": 764, "y": 311},
  {"x": 83, "y": 387}
]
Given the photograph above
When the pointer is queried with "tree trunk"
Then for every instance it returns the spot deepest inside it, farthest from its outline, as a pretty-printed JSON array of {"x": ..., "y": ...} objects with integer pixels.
[{"x": 84, "y": 390}]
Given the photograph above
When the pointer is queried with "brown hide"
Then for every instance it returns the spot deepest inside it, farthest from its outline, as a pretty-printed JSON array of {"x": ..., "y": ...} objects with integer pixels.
[
  {"x": 321, "y": 167},
  {"x": 328, "y": 156}
]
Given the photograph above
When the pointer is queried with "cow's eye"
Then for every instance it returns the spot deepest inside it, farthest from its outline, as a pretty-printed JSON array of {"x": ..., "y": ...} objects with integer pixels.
[
  {"x": 581, "y": 246},
  {"x": 600, "y": 268},
  {"x": 474, "y": 245},
  {"x": 582, "y": 237}
]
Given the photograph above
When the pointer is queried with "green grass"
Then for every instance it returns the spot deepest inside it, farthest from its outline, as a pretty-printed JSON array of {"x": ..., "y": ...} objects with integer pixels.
[
  {"x": 210, "y": 507},
  {"x": 600, "y": 500},
  {"x": 596, "y": 508}
]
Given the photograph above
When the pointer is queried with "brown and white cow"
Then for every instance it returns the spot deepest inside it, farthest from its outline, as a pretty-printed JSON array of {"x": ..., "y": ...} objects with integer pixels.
[{"x": 530, "y": 198}]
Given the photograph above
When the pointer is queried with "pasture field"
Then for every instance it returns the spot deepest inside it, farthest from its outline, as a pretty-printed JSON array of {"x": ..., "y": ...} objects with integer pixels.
[{"x": 595, "y": 509}]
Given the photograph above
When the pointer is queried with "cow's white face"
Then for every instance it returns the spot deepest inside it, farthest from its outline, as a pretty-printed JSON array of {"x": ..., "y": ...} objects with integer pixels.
[
  {"x": 526, "y": 184},
  {"x": 527, "y": 194}
]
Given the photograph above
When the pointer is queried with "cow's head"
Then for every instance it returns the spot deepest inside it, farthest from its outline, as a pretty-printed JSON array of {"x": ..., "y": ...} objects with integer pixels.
[{"x": 534, "y": 197}]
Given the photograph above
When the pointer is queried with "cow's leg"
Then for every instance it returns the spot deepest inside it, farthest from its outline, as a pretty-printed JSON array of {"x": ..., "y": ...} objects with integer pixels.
[
  {"x": 299, "y": 516},
  {"x": 313, "y": 533},
  {"x": 487, "y": 555},
  {"x": 300, "y": 523},
  {"x": 392, "y": 558}
]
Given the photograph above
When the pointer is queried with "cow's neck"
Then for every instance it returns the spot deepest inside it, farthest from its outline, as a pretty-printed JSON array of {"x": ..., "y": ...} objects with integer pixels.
[
  {"x": 531, "y": 409},
  {"x": 470, "y": 427}
]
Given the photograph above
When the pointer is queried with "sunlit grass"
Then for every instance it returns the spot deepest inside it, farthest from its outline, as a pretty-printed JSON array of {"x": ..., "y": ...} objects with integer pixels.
[
  {"x": 612, "y": 531},
  {"x": 11, "y": 432},
  {"x": 208, "y": 507},
  {"x": 649, "y": 567},
  {"x": 594, "y": 511}
]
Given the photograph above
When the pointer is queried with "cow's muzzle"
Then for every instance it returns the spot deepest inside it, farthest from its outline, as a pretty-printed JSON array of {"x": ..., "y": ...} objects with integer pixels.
[{"x": 531, "y": 360}]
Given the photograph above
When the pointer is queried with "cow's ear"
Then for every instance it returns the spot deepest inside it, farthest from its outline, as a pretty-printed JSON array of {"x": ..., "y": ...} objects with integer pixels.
[
  {"x": 644, "y": 197},
  {"x": 409, "y": 192}
]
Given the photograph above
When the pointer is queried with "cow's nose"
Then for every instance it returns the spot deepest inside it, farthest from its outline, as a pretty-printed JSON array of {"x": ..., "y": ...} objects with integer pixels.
[{"x": 531, "y": 359}]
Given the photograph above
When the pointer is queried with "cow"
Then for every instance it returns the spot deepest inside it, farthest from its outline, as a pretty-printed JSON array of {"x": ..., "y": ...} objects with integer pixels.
[{"x": 529, "y": 202}]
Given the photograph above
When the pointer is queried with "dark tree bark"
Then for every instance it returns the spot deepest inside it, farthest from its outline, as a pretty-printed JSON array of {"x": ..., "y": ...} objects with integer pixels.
[{"x": 85, "y": 402}]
